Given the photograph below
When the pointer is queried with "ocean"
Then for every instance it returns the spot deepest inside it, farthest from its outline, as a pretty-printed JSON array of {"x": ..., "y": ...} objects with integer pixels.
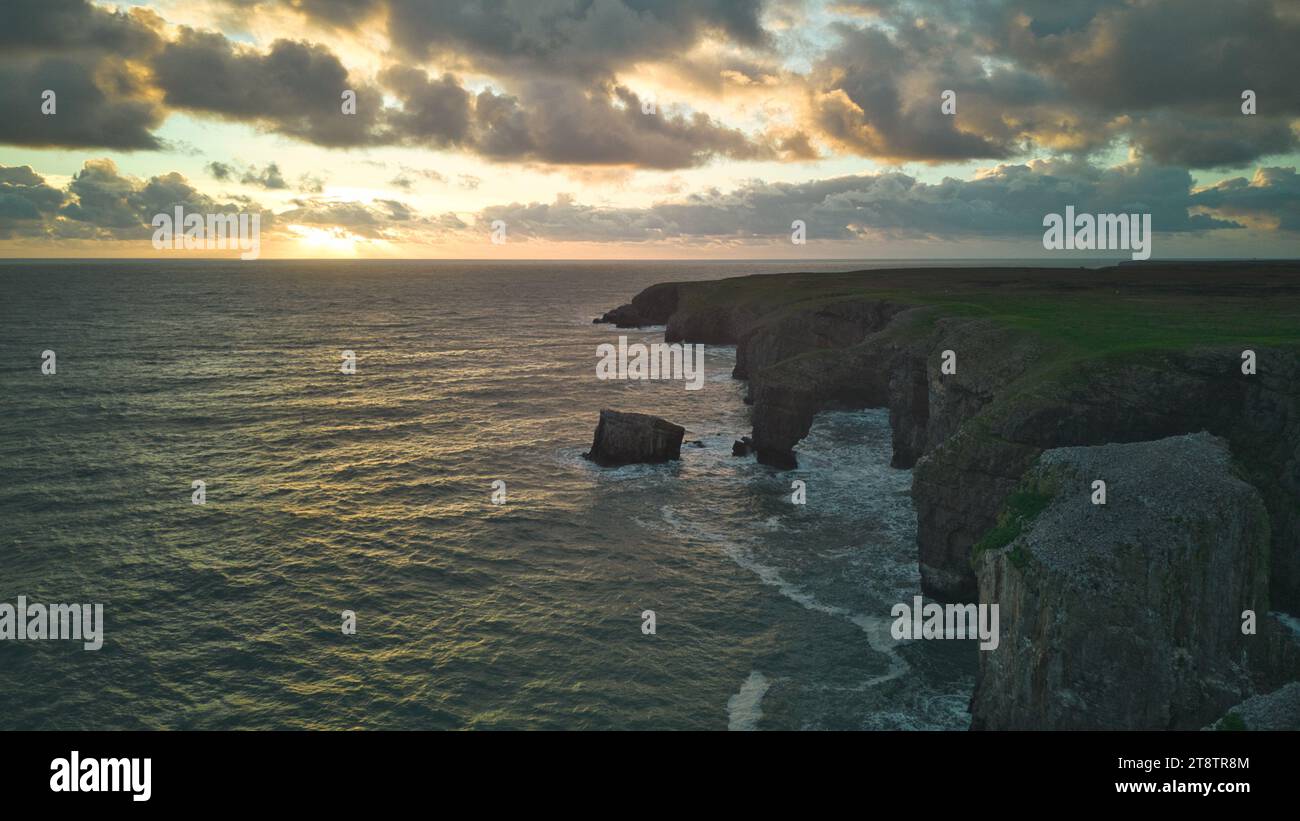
[{"x": 372, "y": 493}]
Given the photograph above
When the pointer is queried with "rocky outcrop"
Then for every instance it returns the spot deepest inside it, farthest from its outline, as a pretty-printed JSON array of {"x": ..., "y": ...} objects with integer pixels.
[
  {"x": 652, "y": 306},
  {"x": 1127, "y": 614},
  {"x": 1278, "y": 710},
  {"x": 628, "y": 438},
  {"x": 963, "y": 480}
]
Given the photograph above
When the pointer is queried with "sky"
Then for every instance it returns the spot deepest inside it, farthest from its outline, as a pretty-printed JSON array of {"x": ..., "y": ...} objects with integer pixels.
[{"x": 637, "y": 129}]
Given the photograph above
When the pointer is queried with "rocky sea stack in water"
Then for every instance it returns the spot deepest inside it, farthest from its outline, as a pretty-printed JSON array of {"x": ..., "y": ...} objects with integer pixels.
[{"x": 631, "y": 438}]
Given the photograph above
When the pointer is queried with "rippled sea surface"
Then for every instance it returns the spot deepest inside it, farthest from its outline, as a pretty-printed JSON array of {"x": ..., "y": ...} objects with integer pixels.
[{"x": 371, "y": 492}]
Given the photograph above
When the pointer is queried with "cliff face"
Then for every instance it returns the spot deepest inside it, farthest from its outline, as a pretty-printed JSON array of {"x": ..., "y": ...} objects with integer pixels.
[
  {"x": 1141, "y": 397},
  {"x": 1128, "y": 614},
  {"x": 972, "y": 434}
]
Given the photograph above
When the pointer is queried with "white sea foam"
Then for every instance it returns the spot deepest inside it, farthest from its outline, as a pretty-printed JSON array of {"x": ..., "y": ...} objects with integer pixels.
[
  {"x": 876, "y": 628},
  {"x": 745, "y": 708},
  {"x": 1292, "y": 623}
]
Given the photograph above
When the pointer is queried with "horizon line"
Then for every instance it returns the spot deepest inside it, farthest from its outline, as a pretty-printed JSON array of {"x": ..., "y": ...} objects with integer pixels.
[{"x": 1059, "y": 261}]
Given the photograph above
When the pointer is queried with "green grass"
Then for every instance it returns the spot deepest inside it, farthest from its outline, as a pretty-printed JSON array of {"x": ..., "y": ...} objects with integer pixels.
[
  {"x": 1231, "y": 721},
  {"x": 1021, "y": 509},
  {"x": 1097, "y": 326},
  {"x": 1080, "y": 314}
]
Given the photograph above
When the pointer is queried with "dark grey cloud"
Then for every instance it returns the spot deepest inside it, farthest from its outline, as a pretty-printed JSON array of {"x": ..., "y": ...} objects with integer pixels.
[
  {"x": 26, "y": 201},
  {"x": 560, "y": 37},
  {"x": 1179, "y": 68},
  {"x": 568, "y": 220},
  {"x": 98, "y": 102},
  {"x": 104, "y": 198},
  {"x": 1198, "y": 141},
  {"x": 1161, "y": 77},
  {"x": 879, "y": 96},
  {"x": 294, "y": 88},
  {"x": 102, "y": 203},
  {"x": 83, "y": 53},
  {"x": 1164, "y": 76},
  {"x": 105, "y": 204},
  {"x": 220, "y": 170},
  {"x": 559, "y": 122},
  {"x": 1272, "y": 195},
  {"x": 268, "y": 177},
  {"x": 564, "y": 124},
  {"x": 1007, "y": 202},
  {"x": 73, "y": 25},
  {"x": 434, "y": 112}
]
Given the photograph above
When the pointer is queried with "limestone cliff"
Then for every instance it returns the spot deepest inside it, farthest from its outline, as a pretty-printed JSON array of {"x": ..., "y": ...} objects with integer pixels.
[{"x": 1125, "y": 614}]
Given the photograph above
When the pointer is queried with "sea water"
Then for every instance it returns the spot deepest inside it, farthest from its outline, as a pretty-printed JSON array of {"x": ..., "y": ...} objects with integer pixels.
[{"x": 372, "y": 492}]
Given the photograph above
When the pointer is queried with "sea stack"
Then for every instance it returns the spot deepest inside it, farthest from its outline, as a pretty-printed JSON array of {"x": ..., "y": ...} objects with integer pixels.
[{"x": 631, "y": 438}]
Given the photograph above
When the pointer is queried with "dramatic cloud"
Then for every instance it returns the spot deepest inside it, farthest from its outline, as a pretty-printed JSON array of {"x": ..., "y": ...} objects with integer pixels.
[
  {"x": 74, "y": 25},
  {"x": 25, "y": 201},
  {"x": 293, "y": 88},
  {"x": 561, "y": 37},
  {"x": 1029, "y": 75},
  {"x": 1158, "y": 75},
  {"x": 1008, "y": 201},
  {"x": 102, "y": 203},
  {"x": 434, "y": 112},
  {"x": 1271, "y": 197},
  {"x": 105, "y": 204},
  {"x": 609, "y": 126},
  {"x": 878, "y": 95},
  {"x": 561, "y": 90},
  {"x": 84, "y": 55}
]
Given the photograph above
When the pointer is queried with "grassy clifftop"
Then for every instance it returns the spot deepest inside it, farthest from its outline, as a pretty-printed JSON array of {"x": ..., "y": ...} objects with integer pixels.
[{"x": 1078, "y": 312}]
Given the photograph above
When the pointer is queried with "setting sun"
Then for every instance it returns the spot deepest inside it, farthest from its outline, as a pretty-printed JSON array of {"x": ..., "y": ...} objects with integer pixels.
[{"x": 326, "y": 242}]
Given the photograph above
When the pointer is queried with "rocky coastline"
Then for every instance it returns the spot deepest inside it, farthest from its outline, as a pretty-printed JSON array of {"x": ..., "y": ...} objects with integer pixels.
[{"x": 972, "y": 432}]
